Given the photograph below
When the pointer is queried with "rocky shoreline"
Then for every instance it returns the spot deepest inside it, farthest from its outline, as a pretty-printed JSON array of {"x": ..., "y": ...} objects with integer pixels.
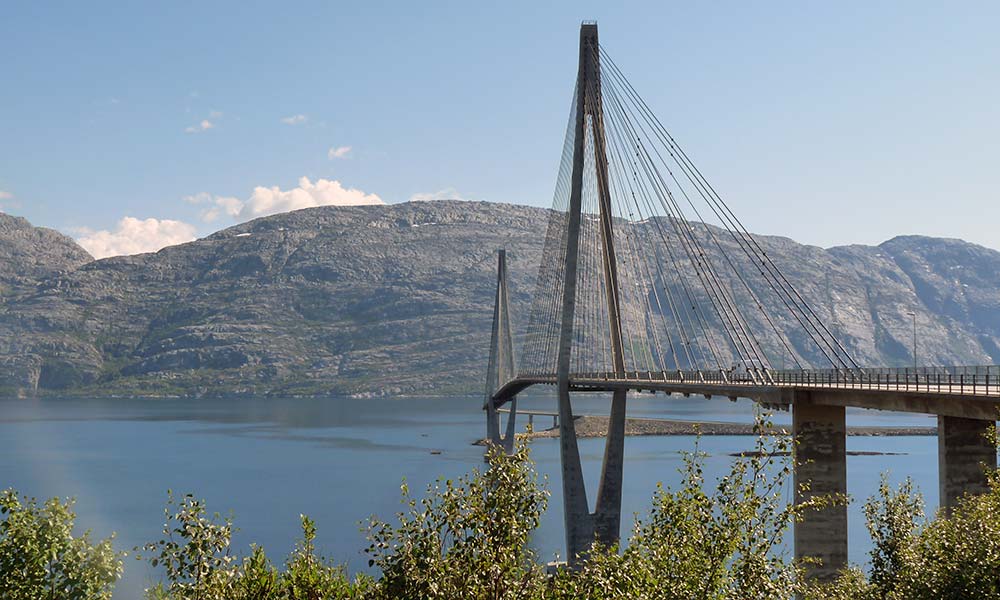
[{"x": 594, "y": 426}]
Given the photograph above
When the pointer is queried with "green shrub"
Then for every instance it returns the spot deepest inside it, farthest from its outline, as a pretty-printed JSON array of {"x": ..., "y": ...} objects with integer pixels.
[
  {"x": 198, "y": 564},
  {"x": 893, "y": 519},
  {"x": 952, "y": 557},
  {"x": 41, "y": 559},
  {"x": 194, "y": 553},
  {"x": 720, "y": 540},
  {"x": 309, "y": 577},
  {"x": 958, "y": 555},
  {"x": 466, "y": 539},
  {"x": 258, "y": 578}
]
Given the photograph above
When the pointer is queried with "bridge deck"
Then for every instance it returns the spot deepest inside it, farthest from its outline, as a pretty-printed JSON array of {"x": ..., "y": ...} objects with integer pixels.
[{"x": 943, "y": 393}]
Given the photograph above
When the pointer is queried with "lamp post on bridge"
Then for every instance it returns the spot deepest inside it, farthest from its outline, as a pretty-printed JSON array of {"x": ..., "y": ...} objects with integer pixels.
[{"x": 914, "y": 315}]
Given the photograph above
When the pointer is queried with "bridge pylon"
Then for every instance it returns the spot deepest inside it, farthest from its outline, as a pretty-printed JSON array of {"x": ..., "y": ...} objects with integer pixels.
[
  {"x": 502, "y": 366},
  {"x": 582, "y": 526}
]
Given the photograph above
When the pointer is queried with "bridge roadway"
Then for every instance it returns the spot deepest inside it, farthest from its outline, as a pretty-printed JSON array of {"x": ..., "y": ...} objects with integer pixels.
[{"x": 950, "y": 393}]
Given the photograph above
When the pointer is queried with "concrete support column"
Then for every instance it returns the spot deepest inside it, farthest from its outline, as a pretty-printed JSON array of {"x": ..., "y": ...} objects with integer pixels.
[
  {"x": 964, "y": 453},
  {"x": 576, "y": 513},
  {"x": 492, "y": 423},
  {"x": 820, "y": 462},
  {"x": 508, "y": 438},
  {"x": 608, "y": 513}
]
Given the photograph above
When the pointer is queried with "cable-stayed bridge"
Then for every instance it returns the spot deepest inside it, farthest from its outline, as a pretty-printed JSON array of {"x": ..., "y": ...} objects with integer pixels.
[{"x": 649, "y": 281}]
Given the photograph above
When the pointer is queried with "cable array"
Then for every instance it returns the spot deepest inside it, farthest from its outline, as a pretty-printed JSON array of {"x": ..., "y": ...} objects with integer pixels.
[{"x": 696, "y": 291}]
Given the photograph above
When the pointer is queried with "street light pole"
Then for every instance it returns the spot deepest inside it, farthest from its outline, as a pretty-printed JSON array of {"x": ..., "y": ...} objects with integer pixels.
[{"x": 914, "y": 315}]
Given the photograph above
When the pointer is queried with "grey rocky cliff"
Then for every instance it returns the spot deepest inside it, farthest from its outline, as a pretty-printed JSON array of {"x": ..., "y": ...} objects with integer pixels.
[
  {"x": 30, "y": 257},
  {"x": 398, "y": 300},
  {"x": 30, "y": 254}
]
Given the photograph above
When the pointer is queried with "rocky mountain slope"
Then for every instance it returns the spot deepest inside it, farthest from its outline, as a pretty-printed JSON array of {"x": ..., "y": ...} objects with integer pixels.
[
  {"x": 29, "y": 254},
  {"x": 398, "y": 299}
]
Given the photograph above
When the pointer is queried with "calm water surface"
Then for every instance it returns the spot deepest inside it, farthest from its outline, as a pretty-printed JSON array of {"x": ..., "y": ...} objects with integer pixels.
[{"x": 340, "y": 460}]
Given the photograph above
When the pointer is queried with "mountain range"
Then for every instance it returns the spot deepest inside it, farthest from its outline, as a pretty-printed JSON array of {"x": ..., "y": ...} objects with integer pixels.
[{"x": 398, "y": 300}]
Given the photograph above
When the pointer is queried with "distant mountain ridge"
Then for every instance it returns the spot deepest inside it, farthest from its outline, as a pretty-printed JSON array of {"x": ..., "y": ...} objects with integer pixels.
[
  {"x": 397, "y": 299},
  {"x": 29, "y": 254}
]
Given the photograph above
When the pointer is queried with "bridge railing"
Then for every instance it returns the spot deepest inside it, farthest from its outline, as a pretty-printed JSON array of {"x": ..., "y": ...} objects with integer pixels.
[
  {"x": 720, "y": 377},
  {"x": 973, "y": 380}
]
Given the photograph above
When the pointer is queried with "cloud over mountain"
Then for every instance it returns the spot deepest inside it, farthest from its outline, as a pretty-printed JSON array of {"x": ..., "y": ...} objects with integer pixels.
[
  {"x": 272, "y": 200},
  {"x": 135, "y": 236}
]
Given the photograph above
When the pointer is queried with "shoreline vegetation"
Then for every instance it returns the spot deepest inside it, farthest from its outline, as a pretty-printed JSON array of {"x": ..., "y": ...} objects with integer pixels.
[{"x": 471, "y": 538}]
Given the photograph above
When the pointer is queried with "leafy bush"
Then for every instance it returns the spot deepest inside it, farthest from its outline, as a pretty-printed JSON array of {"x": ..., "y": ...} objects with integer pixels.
[
  {"x": 466, "y": 539},
  {"x": 194, "y": 552},
  {"x": 40, "y": 557},
  {"x": 195, "y": 555},
  {"x": 892, "y": 519},
  {"x": 310, "y": 577},
  {"x": 703, "y": 541},
  {"x": 954, "y": 556},
  {"x": 958, "y": 555}
]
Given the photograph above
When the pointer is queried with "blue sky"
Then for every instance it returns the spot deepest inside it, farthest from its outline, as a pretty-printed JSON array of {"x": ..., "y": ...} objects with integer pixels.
[{"x": 832, "y": 123}]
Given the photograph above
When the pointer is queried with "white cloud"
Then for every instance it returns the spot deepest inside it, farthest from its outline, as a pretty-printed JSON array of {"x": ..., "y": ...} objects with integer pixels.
[
  {"x": 295, "y": 120},
  {"x": 271, "y": 200},
  {"x": 215, "y": 114},
  {"x": 199, "y": 198},
  {"x": 224, "y": 205},
  {"x": 445, "y": 194},
  {"x": 205, "y": 125},
  {"x": 325, "y": 192},
  {"x": 5, "y": 195},
  {"x": 215, "y": 206},
  {"x": 135, "y": 236},
  {"x": 338, "y": 152}
]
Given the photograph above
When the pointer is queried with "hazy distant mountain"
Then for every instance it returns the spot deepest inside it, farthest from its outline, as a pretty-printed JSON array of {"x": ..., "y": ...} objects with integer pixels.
[{"x": 398, "y": 299}]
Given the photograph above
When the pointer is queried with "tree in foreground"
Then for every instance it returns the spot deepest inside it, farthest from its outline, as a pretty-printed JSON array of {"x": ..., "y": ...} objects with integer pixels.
[
  {"x": 40, "y": 558},
  {"x": 954, "y": 556},
  {"x": 957, "y": 555},
  {"x": 198, "y": 564},
  {"x": 707, "y": 540},
  {"x": 467, "y": 538}
]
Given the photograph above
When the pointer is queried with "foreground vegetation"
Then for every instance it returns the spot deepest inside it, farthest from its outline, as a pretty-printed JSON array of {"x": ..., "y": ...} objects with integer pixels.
[{"x": 469, "y": 538}]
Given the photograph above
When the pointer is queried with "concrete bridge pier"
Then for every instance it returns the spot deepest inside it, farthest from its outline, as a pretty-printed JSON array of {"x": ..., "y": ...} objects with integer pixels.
[
  {"x": 608, "y": 512},
  {"x": 508, "y": 438},
  {"x": 821, "y": 463},
  {"x": 964, "y": 452},
  {"x": 493, "y": 436},
  {"x": 604, "y": 523},
  {"x": 576, "y": 512}
]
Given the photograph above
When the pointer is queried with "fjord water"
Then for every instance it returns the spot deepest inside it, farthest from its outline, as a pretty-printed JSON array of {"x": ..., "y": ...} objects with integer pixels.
[{"x": 339, "y": 460}]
